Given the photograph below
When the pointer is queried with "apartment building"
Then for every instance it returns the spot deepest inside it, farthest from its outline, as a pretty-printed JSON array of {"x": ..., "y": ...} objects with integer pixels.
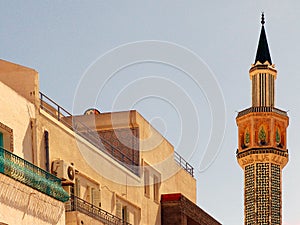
[{"x": 93, "y": 168}]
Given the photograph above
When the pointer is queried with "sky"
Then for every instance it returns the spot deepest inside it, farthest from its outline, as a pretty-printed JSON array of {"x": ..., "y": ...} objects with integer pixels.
[{"x": 67, "y": 41}]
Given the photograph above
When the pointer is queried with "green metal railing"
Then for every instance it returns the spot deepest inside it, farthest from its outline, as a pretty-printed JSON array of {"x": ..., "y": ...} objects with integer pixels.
[{"x": 23, "y": 171}]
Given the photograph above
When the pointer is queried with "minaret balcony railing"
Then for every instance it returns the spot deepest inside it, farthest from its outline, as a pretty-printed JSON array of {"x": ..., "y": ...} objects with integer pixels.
[
  {"x": 262, "y": 109},
  {"x": 25, "y": 172},
  {"x": 262, "y": 151}
]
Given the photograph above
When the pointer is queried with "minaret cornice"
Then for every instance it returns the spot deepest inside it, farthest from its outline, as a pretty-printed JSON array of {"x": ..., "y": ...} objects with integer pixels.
[{"x": 262, "y": 68}]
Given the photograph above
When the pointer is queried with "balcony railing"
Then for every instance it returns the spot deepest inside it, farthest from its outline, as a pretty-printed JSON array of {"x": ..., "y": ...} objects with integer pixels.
[
  {"x": 60, "y": 113},
  {"x": 91, "y": 136},
  {"x": 80, "y": 205},
  {"x": 31, "y": 175},
  {"x": 184, "y": 164},
  {"x": 262, "y": 109}
]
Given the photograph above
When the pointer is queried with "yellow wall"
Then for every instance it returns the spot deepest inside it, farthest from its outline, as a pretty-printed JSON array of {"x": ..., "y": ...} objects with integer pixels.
[{"x": 21, "y": 79}]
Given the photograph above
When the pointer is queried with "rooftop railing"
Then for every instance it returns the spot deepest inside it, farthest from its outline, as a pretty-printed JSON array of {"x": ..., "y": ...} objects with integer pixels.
[
  {"x": 23, "y": 171},
  {"x": 60, "y": 113},
  {"x": 87, "y": 133},
  {"x": 184, "y": 164},
  {"x": 80, "y": 205}
]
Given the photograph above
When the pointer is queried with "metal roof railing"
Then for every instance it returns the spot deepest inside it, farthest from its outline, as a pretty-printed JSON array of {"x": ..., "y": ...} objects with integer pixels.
[{"x": 60, "y": 113}]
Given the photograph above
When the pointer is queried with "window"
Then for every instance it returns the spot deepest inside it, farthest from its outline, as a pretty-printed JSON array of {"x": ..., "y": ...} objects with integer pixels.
[
  {"x": 93, "y": 196},
  {"x": 6, "y": 137},
  {"x": 46, "y": 142},
  {"x": 156, "y": 185},
  {"x": 127, "y": 212},
  {"x": 146, "y": 183},
  {"x": 124, "y": 214},
  {"x": 1, "y": 140},
  {"x": 1, "y": 152}
]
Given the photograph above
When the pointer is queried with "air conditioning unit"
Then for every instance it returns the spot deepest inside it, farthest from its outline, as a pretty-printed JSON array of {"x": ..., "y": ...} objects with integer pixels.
[{"x": 64, "y": 170}]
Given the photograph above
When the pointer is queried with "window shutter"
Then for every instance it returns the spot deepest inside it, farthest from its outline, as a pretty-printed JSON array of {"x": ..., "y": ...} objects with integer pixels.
[
  {"x": 77, "y": 187},
  {"x": 96, "y": 197},
  {"x": 119, "y": 209},
  {"x": 126, "y": 215}
]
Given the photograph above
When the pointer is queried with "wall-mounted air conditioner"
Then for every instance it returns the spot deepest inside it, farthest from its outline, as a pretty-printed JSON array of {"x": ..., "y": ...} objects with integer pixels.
[{"x": 64, "y": 170}]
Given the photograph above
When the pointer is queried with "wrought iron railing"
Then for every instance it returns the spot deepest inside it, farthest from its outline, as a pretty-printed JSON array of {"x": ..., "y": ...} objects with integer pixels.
[
  {"x": 87, "y": 133},
  {"x": 23, "y": 171},
  {"x": 184, "y": 164},
  {"x": 78, "y": 204},
  {"x": 60, "y": 114}
]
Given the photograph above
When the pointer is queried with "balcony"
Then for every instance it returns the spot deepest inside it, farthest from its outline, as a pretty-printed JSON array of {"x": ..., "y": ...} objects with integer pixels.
[
  {"x": 261, "y": 109},
  {"x": 31, "y": 175},
  {"x": 80, "y": 205}
]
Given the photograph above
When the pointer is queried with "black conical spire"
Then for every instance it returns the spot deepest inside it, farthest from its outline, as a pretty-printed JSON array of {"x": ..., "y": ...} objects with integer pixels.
[{"x": 263, "y": 53}]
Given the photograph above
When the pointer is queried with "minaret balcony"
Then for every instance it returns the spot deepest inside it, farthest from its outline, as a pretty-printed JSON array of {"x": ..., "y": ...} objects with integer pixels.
[{"x": 261, "y": 109}]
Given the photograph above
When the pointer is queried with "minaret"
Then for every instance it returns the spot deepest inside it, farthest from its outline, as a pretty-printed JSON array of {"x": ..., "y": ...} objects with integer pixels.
[{"x": 262, "y": 147}]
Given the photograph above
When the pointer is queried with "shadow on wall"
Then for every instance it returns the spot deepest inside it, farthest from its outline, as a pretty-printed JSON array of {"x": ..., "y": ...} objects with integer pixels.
[
  {"x": 158, "y": 216},
  {"x": 27, "y": 144}
]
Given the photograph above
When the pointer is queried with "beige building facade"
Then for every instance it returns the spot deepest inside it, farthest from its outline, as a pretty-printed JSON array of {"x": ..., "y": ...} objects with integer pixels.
[
  {"x": 94, "y": 168},
  {"x": 28, "y": 194}
]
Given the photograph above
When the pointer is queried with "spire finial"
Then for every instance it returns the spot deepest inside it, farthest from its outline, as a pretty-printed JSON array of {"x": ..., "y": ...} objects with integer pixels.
[{"x": 262, "y": 18}]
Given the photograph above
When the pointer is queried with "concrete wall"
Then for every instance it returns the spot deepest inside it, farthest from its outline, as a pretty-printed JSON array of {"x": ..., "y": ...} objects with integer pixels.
[{"x": 21, "y": 79}]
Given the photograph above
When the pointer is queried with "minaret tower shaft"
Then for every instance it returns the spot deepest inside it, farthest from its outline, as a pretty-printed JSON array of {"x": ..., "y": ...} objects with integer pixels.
[{"x": 262, "y": 148}]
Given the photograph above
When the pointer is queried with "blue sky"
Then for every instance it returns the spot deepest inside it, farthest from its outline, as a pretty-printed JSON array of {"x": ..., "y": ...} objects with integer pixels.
[{"x": 62, "y": 39}]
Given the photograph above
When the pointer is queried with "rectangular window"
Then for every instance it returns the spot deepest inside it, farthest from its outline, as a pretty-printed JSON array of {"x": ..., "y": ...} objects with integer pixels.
[
  {"x": 1, "y": 152},
  {"x": 156, "y": 184},
  {"x": 1, "y": 140},
  {"x": 124, "y": 214},
  {"x": 146, "y": 183},
  {"x": 6, "y": 137},
  {"x": 46, "y": 142}
]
